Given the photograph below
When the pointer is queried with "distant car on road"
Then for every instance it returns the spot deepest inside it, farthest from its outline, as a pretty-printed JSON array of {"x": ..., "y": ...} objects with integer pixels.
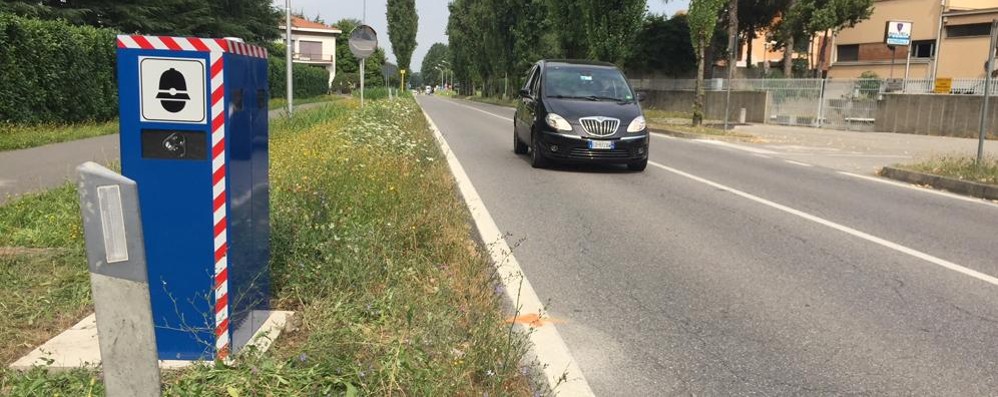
[{"x": 580, "y": 112}]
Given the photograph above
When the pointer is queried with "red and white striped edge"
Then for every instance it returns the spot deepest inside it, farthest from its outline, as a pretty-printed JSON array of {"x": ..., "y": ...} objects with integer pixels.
[
  {"x": 190, "y": 44},
  {"x": 220, "y": 195}
]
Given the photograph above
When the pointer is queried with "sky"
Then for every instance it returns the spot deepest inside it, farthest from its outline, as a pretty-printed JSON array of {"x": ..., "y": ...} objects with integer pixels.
[{"x": 432, "y": 18}]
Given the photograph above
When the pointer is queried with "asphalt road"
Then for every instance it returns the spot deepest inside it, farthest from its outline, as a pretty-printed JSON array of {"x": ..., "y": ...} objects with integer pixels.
[
  {"x": 722, "y": 272},
  {"x": 44, "y": 167}
]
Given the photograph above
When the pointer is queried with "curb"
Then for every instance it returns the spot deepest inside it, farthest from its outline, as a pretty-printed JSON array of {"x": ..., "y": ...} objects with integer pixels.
[
  {"x": 967, "y": 188},
  {"x": 677, "y": 134},
  {"x": 548, "y": 353}
]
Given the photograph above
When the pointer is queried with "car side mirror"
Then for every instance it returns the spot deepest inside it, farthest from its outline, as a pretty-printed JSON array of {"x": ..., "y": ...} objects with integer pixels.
[
  {"x": 642, "y": 96},
  {"x": 524, "y": 93}
]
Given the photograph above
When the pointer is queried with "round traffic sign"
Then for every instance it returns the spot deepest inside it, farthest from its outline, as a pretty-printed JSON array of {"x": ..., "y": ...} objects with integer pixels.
[{"x": 363, "y": 41}]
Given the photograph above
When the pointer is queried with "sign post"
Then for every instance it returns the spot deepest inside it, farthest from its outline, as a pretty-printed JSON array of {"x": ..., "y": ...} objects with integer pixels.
[
  {"x": 898, "y": 33},
  {"x": 363, "y": 42},
  {"x": 119, "y": 281},
  {"x": 989, "y": 72}
]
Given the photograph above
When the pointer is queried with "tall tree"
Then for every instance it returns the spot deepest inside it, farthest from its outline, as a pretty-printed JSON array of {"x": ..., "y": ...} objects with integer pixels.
[
  {"x": 808, "y": 17},
  {"x": 403, "y": 22},
  {"x": 610, "y": 27},
  {"x": 732, "y": 38},
  {"x": 438, "y": 53},
  {"x": 251, "y": 20},
  {"x": 703, "y": 20},
  {"x": 755, "y": 16},
  {"x": 663, "y": 47}
]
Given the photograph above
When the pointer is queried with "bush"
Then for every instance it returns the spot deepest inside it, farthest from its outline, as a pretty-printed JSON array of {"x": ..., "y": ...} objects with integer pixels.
[
  {"x": 56, "y": 72},
  {"x": 309, "y": 81},
  {"x": 345, "y": 83}
]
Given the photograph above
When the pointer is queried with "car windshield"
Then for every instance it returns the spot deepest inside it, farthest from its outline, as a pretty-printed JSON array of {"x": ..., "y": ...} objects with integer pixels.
[{"x": 586, "y": 82}]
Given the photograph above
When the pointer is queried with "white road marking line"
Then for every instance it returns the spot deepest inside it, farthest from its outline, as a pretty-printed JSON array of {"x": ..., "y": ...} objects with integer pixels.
[
  {"x": 842, "y": 228},
  {"x": 798, "y": 163},
  {"x": 559, "y": 367},
  {"x": 737, "y": 147},
  {"x": 920, "y": 189},
  {"x": 480, "y": 110},
  {"x": 761, "y": 155}
]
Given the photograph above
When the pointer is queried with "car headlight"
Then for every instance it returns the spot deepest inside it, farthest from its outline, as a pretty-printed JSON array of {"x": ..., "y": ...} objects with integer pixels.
[
  {"x": 557, "y": 122},
  {"x": 637, "y": 125}
]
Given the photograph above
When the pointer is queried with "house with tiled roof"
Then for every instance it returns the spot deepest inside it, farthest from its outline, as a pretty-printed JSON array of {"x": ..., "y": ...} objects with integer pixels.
[{"x": 313, "y": 43}]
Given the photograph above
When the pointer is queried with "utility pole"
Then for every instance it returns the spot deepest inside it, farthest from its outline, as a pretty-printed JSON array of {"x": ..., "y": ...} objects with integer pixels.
[
  {"x": 732, "y": 56},
  {"x": 985, "y": 106},
  {"x": 287, "y": 53}
]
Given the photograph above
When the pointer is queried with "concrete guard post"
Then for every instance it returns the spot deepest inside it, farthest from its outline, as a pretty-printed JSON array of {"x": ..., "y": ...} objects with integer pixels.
[{"x": 119, "y": 281}]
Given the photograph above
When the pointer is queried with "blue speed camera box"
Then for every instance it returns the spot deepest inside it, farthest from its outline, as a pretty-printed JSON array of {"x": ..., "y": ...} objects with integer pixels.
[{"x": 194, "y": 137}]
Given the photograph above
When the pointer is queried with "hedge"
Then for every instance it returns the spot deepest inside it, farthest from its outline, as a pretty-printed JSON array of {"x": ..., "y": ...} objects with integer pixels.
[
  {"x": 309, "y": 81},
  {"x": 51, "y": 71}
]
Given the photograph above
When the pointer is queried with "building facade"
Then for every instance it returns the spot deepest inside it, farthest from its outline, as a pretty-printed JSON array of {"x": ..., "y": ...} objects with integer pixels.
[
  {"x": 949, "y": 39},
  {"x": 313, "y": 43}
]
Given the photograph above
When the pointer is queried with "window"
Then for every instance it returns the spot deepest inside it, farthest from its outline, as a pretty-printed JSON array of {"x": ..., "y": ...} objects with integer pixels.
[
  {"x": 848, "y": 53},
  {"x": 531, "y": 77},
  {"x": 310, "y": 50},
  {"x": 586, "y": 82},
  {"x": 977, "y": 29},
  {"x": 923, "y": 49}
]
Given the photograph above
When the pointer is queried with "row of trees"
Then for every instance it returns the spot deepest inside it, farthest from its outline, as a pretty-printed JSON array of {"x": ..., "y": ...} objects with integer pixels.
[
  {"x": 252, "y": 20},
  {"x": 495, "y": 41}
]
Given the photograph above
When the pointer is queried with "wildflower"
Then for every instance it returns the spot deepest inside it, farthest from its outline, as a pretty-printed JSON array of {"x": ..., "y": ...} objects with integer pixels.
[{"x": 302, "y": 357}]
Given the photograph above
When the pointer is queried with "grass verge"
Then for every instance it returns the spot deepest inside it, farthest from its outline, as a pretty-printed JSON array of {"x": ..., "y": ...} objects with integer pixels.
[
  {"x": 281, "y": 103},
  {"x": 14, "y": 136},
  {"x": 963, "y": 168},
  {"x": 372, "y": 249},
  {"x": 680, "y": 122}
]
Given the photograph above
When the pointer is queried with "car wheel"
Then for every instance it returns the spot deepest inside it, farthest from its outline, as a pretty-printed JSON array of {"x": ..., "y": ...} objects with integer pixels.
[
  {"x": 638, "y": 166},
  {"x": 518, "y": 146},
  {"x": 537, "y": 159}
]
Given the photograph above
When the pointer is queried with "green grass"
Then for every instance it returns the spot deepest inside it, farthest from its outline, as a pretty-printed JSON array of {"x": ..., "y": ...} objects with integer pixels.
[
  {"x": 682, "y": 122},
  {"x": 44, "y": 286},
  {"x": 15, "y": 136},
  {"x": 491, "y": 100},
  {"x": 372, "y": 249},
  {"x": 963, "y": 168},
  {"x": 281, "y": 103}
]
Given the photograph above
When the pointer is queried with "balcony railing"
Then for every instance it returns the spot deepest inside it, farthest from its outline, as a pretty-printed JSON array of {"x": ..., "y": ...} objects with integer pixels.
[{"x": 312, "y": 57}]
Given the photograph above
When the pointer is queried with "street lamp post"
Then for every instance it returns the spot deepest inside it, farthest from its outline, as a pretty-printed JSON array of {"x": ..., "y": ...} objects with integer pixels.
[{"x": 287, "y": 52}]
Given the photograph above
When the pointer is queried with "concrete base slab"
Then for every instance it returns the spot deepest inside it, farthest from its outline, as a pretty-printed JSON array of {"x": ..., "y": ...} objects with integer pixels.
[{"x": 77, "y": 346}]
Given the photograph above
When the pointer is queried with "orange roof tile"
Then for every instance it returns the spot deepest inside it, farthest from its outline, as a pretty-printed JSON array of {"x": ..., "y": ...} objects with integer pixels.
[{"x": 299, "y": 22}]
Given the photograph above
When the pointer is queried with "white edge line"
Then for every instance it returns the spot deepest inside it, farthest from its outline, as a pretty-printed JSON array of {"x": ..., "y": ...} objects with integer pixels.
[
  {"x": 480, "y": 110},
  {"x": 798, "y": 163},
  {"x": 920, "y": 189},
  {"x": 845, "y": 229},
  {"x": 560, "y": 369},
  {"x": 737, "y": 147}
]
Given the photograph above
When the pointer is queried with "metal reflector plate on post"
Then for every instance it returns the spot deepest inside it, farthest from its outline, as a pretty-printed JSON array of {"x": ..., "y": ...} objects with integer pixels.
[
  {"x": 363, "y": 41},
  {"x": 112, "y": 223}
]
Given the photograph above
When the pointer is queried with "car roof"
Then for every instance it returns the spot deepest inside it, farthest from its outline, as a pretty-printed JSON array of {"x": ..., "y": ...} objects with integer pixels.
[{"x": 577, "y": 62}]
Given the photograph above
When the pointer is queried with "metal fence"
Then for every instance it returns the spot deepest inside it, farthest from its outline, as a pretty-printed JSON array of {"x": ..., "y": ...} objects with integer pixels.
[{"x": 847, "y": 104}]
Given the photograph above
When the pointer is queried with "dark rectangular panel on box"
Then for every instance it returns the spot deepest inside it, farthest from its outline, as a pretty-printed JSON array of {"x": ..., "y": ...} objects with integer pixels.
[{"x": 174, "y": 145}]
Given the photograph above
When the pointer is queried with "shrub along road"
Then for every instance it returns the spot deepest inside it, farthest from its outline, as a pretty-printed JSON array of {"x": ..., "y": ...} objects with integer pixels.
[
  {"x": 45, "y": 167},
  {"x": 371, "y": 248},
  {"x": 719, "y": 272}
]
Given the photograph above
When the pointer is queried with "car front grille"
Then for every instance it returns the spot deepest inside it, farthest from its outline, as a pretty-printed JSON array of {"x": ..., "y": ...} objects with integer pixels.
[
  {"x": 599, "y": 126},
  {"x": 599, "y": 154}
]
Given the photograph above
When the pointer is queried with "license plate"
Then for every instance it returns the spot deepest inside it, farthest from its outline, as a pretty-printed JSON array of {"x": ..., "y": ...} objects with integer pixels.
[{"x": 601, "y": 145}]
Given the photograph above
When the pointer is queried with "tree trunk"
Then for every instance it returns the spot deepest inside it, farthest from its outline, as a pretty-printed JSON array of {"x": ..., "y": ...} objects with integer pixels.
[
  {"x": 748, "y": 49},
  {"x": 788, "y": 53},
  {"x": 732, "y": 38},
  {"x": 821, "y": 56},
  {"x": 699, "y": 96}
]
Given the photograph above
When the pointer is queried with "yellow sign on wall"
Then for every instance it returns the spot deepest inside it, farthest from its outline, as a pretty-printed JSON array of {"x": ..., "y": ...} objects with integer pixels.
[{"x": 943, "y": 85}]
